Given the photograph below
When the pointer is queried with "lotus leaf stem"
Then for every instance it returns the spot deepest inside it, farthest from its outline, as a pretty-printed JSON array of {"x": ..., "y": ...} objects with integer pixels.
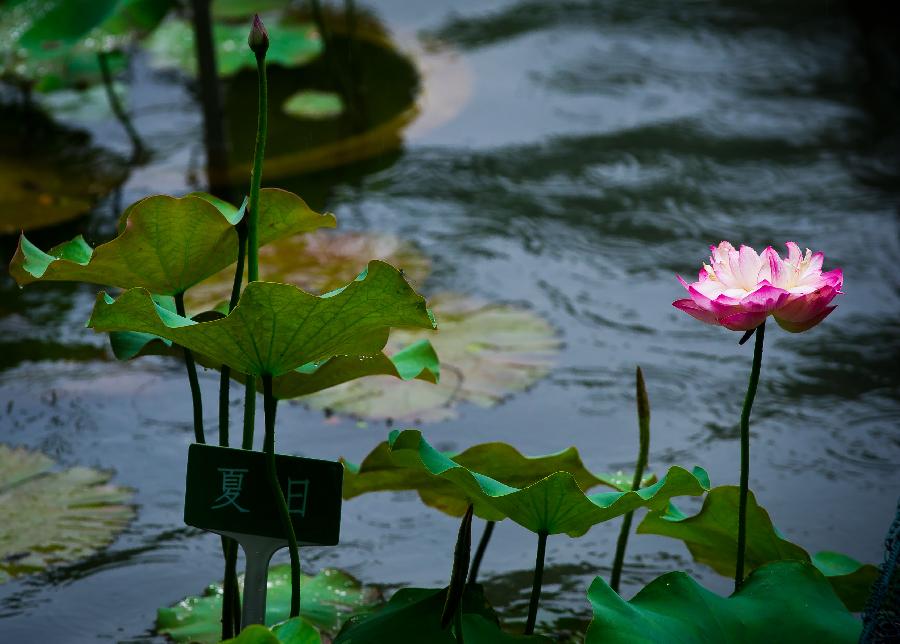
[
  {"x": 480, "y": 550},
  {"x": 256, "y": 174},
  {"x": 270, "y": 407},
  {"x": 536, "y": 585},
  {"x": 643, "y": 409},
  {"x": 196, "y": 397},
  {"x": 745, "y": 455}
]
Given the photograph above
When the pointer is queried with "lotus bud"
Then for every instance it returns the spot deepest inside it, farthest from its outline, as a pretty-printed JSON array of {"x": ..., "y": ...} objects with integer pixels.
[{"x": 259, "y": 37}]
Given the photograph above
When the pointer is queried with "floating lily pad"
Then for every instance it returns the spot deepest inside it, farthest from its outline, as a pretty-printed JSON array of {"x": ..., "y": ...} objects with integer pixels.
[
  {"x": 313, "y": 105},
  {"x": 317, "y": 262},
  {"x": 276, "y": 328},
  {"x": 291, "y": 44},
  {"x": 413, "y": 616},
  {"x": 381, "y": 471},
  {"x": 711, "y": 537},
  {"x": 327, "y": 600},
  {"x": 487, "y": 351},
  {"x": 166, "y": 244},
  {"x": 293, "y": 631},
  {"x": 784, "y": 601},
  {"x": 54, "y": 517},
  {"x": 554, "y": 504}
]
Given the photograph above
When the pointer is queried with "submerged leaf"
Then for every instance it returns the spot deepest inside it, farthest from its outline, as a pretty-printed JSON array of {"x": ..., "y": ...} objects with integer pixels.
[
  {"x": 172, "y": 45},
  {"x": 413, "y": 616},
  {"x": 317, "y": 262},
  {"x": 54, "y": 517},
  {"x": 784, "y": 601},
  {"x": 711, "y": 537},
  {"x": 276, "y": 328},
  {"x": 166, "y": 244},
  {"x": 327, "y": 600},
  {"x": 488, "y": 351},
  {"x": 554, "y": 504}
]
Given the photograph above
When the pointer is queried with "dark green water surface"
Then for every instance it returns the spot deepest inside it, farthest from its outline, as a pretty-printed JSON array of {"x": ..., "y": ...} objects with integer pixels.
[{"x": 603, "y": 147}]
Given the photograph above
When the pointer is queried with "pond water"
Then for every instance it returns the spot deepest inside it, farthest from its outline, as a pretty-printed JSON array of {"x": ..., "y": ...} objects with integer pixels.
[{"x": 575, "y": 156}]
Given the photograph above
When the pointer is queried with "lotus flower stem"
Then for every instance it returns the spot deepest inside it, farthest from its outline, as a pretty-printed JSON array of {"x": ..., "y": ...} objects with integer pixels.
[
  {"x": 745, "y": 454},
  {"x": 196, "y": 397},
  {"x": 259, "y": 43},
  {"x": 270, "y": 406},
  {"x": 536, "y": 585},
  {"x": 479, "y": 552},
  {"x": 643, "y": 409}
]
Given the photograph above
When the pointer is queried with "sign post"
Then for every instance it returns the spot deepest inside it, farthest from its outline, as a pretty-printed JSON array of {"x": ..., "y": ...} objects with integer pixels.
[{"x": 227, "y": 492}]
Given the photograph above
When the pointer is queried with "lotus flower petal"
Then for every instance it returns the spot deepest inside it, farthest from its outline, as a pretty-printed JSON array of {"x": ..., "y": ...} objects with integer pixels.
[{"x": 740, "y": 288}]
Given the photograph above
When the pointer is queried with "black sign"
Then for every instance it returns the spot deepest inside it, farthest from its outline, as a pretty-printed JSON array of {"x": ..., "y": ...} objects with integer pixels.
[{"x": 228, "y": 491}]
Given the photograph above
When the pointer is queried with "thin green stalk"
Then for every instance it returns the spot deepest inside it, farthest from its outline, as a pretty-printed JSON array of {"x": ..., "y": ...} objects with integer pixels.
[
  {"x": 536, "y": 585},
  {"x": 479, "y": 551},
  {"x": 270, "y": 405},
  {"x": 225, "y": 378},
  {"x": 256, "y": 174},
  {"x": 643, "y": 409},
  {"x": 231, "y": 598},
  {"x": 196, "y": 398},
  {"x": 461, "y": 554},
  {"x": 745, "y": 454},
  {"x": 249, "y": 411},
  {"x": 138, "y": 150}
]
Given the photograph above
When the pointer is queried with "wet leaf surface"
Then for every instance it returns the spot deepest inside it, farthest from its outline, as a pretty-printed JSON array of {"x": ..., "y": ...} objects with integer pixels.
[
  {"x": 784, "y": 601},
  {"x": 327, "y": 600},
  {"x": 711, "y": 537},
  {"x": 276, "y": 328},
  {"x": 381, "y": 471},
  {"x": 317, "y": 262},
  {"x": 554, "y": 504},
  {"x": 54, "y": 517},
  {"x": 165, "y": 244},
  {"x": 292, "y": 44}
]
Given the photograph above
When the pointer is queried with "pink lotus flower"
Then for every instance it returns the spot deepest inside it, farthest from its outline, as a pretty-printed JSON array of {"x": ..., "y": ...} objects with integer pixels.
[{"x": 741, "y": 288}]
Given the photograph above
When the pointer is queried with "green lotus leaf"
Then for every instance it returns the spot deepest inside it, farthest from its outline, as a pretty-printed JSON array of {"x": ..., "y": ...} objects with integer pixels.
[
  {"x": 54, "y": 517},
  {"x": 488, "y": 352},
  {"x": 317, "y": 262},
  {"x": 294, "y": 631},
  {"x": 245, "y": 8},
  {"x": 166, "y": 245},
  {"x": 313, "y": 105},
  {"x": 783, "y": 601},
  {"x": 276, "y": 328},
  {"x": 380, "y": 471},
  {"x": 53, "y": 25},
  {"x": 711, "y": 537},
  {"x": 327, "y": 600},
  {"x": 291, "y": 45},
  {"x": 554, "y": 504},
  {"x": 413, "y": 616}
]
